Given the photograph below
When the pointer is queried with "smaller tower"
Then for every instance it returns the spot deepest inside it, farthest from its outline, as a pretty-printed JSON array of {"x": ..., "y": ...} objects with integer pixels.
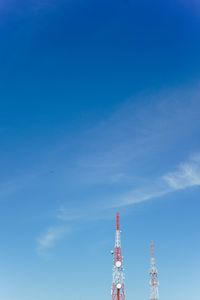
[{"x": 154, "y": 295}]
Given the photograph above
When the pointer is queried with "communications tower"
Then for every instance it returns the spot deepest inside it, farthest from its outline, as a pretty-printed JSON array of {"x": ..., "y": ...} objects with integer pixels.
[
  {"x": 154, "y": 295},
  {"x": 118, "y": 292}
]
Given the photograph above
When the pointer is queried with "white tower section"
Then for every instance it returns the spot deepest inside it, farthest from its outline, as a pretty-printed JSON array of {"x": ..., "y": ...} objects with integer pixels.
[{"x": 154, "y": 295}]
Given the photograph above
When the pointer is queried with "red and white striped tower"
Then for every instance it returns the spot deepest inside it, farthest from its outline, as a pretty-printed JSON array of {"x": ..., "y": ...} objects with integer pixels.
[
  {"x": 154, "y": 295},
  {"x": 118, "y": 292}
]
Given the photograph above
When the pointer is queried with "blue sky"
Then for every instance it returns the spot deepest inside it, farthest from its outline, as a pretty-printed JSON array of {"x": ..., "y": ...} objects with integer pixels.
[{"x": 99, "y": 112}]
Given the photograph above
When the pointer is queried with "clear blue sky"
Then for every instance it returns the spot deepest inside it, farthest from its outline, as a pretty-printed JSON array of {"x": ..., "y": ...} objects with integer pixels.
[{"x": 99, "y": 111}]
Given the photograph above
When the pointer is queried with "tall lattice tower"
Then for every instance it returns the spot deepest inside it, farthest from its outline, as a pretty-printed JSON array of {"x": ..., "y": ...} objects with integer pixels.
[
  {"x": 154, "y": 295},
  {"x": 118, "y": 292}
]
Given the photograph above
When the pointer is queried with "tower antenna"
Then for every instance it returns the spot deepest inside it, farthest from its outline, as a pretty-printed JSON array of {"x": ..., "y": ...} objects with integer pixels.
[{"x": 118, "y": 292}]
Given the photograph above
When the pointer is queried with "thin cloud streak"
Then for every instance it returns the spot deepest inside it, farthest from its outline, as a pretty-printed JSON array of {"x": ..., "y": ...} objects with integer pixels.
[
  {"x": 136, "y": 135},
  {"x": 185, "y": 176},
  {"x": 50, "y": 238},
  {"x": 123, "y": 160}
]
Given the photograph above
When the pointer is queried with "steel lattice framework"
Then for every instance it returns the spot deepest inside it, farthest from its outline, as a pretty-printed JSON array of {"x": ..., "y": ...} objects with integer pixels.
[
  {"x": 118, "y": 292},
  {"x": 154, "y": 295}
]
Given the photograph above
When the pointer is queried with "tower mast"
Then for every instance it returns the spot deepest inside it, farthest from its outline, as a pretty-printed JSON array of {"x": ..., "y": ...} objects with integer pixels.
[
  {"x": 154, "y": 295},
  {"x": 118, "y": 292}
]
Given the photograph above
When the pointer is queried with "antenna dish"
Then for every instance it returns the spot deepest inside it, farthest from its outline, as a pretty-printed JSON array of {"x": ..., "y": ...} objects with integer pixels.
[
  {"x": 118, "y": 264},
  {"x": 119, "y": 286}
]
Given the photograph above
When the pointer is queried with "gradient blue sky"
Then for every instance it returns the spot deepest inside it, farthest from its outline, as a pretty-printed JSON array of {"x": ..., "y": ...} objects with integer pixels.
[{"x": 99, "y": 111}]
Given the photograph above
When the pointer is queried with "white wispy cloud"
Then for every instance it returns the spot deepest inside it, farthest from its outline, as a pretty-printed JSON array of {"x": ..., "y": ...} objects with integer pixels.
[
  {"x": 187, "y": 175},
  {"x": 139, "y": 137},
  {"x": 141, "y": 195},
  {"x": 136, "y": 155},
  {"x": 127, "y": 155},
  {"x": 50, "y": 238}
]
